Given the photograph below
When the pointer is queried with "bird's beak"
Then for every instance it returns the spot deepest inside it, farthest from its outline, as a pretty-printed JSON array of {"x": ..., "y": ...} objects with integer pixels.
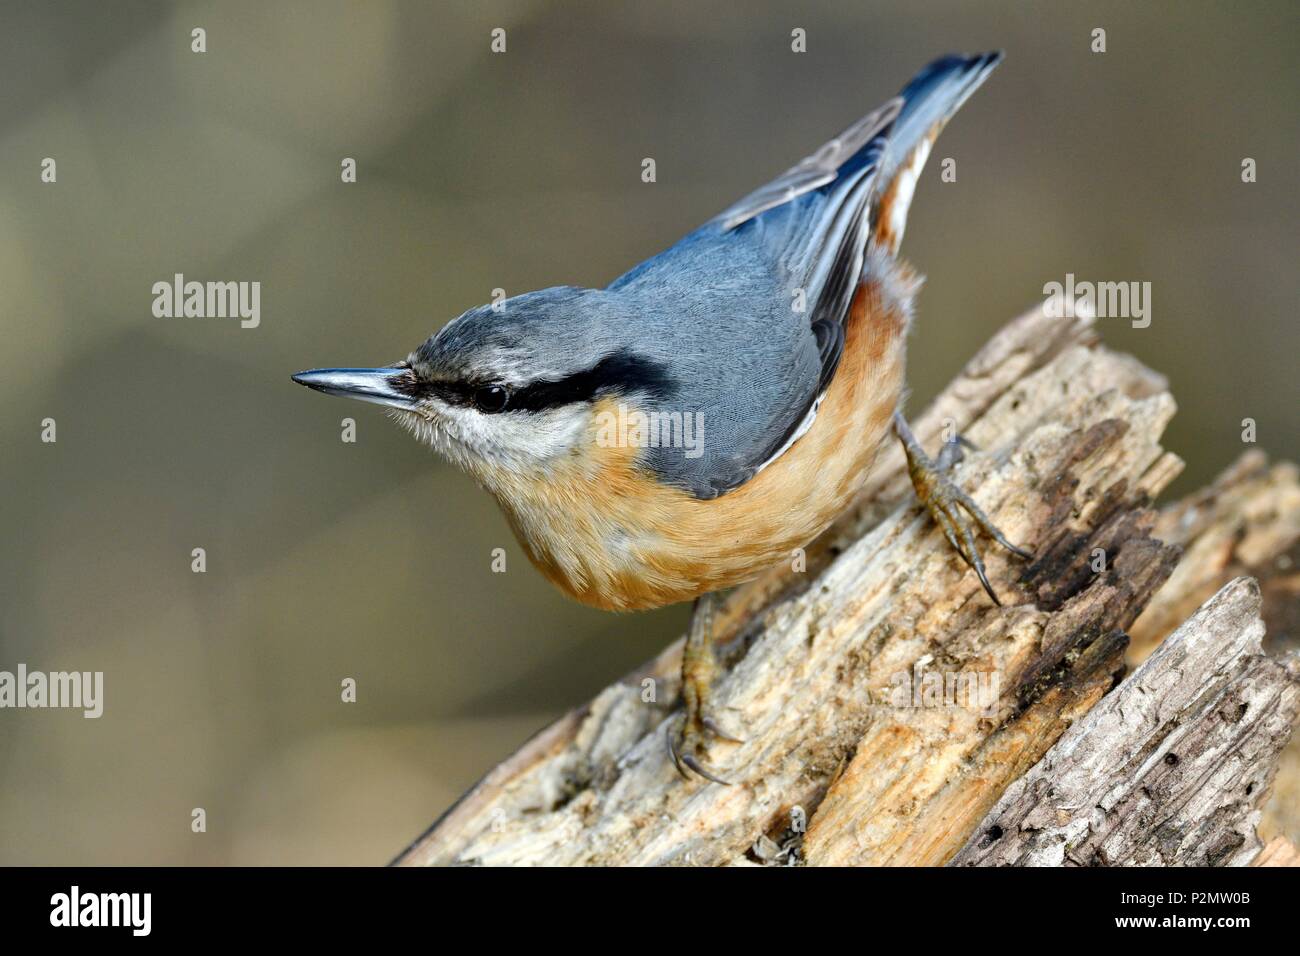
[{"x": 382, "y": 386}]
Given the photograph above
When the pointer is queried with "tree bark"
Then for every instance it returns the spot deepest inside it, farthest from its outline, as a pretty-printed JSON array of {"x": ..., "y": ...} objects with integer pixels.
[
  {"x": 1169, "y": 769},
  {"x": 1246, "y": 523},
  {"x": 886, "y": 704}
]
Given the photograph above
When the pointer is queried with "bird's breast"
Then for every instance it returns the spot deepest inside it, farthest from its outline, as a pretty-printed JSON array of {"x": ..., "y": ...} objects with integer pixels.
[{"x": 607, "y": 532}]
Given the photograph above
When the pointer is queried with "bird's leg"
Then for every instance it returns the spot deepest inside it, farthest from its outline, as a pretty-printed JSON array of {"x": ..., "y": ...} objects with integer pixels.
[
  {"x": 945, "y": 501},
  {"x": 699, "y": 667}
]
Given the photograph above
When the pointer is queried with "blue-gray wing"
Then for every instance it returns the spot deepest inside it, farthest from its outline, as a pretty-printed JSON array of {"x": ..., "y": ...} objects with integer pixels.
[
  {"x": 768, "y": 283},
  {"x": 802, "y": 238},
  {"x": 812, "y": 172},
  {"x": 811, "y": 226}
]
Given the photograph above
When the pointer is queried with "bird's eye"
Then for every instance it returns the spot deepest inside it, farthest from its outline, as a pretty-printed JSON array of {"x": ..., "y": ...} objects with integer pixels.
[{"x": 491, "y": 399}]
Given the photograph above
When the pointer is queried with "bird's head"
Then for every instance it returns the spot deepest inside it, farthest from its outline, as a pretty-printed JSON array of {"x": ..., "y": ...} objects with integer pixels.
[{"x": 509, "y": 387}]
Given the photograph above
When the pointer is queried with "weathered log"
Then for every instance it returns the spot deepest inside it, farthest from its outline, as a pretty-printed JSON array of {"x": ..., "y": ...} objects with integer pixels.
[
  {"x": 1246, "y": 522},
  {"x": 848, "y": 664},
  {"x": 1171, "y": 768}
]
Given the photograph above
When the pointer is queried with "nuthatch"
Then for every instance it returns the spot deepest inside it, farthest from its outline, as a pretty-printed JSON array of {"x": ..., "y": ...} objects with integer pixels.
[{"x": 778, "y": 327}]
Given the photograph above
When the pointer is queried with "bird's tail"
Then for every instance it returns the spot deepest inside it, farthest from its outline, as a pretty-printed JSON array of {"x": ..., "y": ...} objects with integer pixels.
[{"x": 929, "y": 101}]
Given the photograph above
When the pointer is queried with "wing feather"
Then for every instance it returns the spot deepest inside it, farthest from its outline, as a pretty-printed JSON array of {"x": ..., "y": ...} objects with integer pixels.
[{"x": 812, "y": 172}]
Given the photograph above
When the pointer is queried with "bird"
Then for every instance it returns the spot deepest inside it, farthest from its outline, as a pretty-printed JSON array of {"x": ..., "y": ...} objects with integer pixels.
[{"x": 691, "y": 424}]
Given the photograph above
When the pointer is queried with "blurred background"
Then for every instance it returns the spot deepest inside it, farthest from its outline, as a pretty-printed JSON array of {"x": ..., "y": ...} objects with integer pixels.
[{"x": 521, "y": 170}]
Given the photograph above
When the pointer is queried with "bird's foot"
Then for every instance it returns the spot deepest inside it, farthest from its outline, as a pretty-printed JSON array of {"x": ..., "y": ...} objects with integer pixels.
[
  {"x": 687, "y": 743},
  {"x": 690, "y": 738},
  {"x": 946, "y": 502}
]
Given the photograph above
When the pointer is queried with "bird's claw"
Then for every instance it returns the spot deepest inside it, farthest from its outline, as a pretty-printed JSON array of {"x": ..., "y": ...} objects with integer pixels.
[
  {"x": 945, "y": 501},
  {"x": 686, "y": 741}
]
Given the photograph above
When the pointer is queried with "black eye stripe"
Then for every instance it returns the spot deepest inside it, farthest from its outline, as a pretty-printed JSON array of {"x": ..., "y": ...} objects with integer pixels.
[
  {"x": 453, "y": 393},
  {"x": 620, "y": 373},
  {"x": 617, "y": 373}
]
